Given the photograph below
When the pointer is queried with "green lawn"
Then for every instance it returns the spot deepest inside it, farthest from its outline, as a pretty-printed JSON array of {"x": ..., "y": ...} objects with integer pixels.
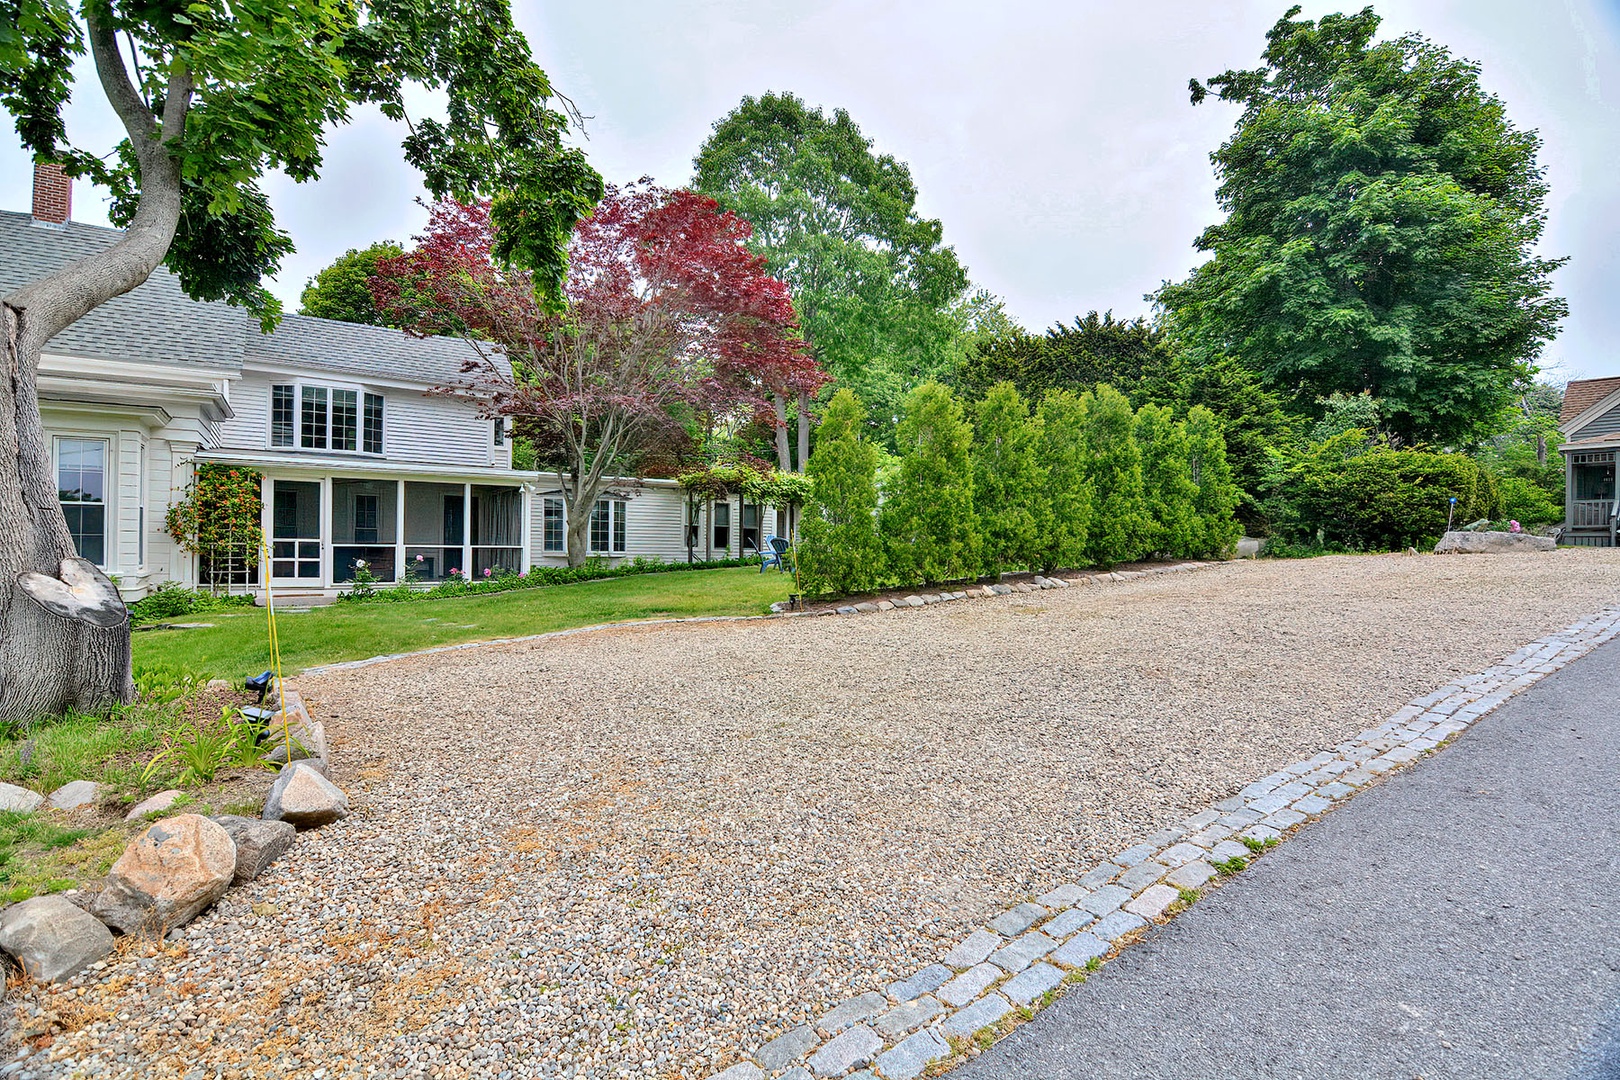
[{"x": 235, "y": 646}]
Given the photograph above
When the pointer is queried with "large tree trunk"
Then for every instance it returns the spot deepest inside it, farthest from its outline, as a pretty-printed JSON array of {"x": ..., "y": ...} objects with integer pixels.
[
  {"x": 804, "y": 430},
  {"x": 784, "y": 454},
  {"x": 64, "y": 633}
]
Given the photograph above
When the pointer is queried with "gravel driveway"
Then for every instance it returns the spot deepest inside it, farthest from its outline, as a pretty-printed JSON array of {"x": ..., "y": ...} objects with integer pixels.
[{"x": 628, "y": 852}]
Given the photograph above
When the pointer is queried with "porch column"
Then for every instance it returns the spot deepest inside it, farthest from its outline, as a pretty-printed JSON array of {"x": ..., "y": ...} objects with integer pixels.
[
  {"x": 328, "y": 572},
  {"x": 526, "y": 525},
  {"x": 399, "y": 532},
  {"x": 466, "y": 532}
]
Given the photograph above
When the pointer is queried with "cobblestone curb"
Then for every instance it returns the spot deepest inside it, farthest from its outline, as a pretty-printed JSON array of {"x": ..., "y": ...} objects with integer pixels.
[
  {"x": 1005, "y": 588},
  {"x": 1024, "y": 955}
]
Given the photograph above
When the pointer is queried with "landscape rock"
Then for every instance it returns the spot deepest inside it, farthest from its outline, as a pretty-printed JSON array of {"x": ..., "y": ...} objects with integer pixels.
[
  {"x": 305, "y": 798},
  {"x": 19, "y": 799},
  {"x": 258, "y": 843},
  {"x": 52, "y": 938},
  {"x": 167, "y": 875},
  {"x": 307, "y": 736},
  {"x": 1492, "y": 543},
  {"x": 157, "y": 804},
  {"x": 76, "y": 795}
]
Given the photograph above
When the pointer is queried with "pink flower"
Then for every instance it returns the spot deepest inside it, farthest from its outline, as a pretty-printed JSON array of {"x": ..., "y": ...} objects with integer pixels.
[
  {"x": 523, "y": 573},
  {"x": 486, "y": 571},
  {"x": 419, "y": 558},
  {"x": 455, "y": 571}
]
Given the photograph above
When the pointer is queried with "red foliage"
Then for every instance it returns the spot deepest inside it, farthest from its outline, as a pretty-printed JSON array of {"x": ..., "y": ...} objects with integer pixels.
[{"x": 665, "y": 308}]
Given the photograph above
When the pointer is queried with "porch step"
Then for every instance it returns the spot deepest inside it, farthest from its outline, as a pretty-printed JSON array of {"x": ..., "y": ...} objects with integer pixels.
[{"x": 301, "y": 600}]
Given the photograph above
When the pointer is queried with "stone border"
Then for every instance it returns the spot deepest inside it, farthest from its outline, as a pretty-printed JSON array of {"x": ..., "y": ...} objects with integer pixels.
[
  {"x": 1031, "y": 583},
  {"x": 1034, "y": 584},
  {"x": 1016, "y": 962}
]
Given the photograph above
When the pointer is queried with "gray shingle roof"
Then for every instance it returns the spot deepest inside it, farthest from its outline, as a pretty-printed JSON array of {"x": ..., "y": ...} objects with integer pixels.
[
  {"x": 158, "y": 322},
  {"x": 363, "y": 351}
]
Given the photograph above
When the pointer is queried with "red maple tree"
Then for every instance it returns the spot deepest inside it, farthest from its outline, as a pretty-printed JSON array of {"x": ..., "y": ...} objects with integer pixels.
[{"x": 665, "y": 312}]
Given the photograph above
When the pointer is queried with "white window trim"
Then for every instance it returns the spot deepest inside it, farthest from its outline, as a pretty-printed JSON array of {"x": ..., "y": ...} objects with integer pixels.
[
  {"x": 562, "y": 504},
  {"x": 109, "y": 488},
  {"x": 618, "y": 512},
  {"x": 297, "y": 445}
]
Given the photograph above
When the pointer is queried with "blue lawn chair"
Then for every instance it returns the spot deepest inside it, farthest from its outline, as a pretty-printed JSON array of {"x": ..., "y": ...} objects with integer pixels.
[{"x": 780, "y": 554}]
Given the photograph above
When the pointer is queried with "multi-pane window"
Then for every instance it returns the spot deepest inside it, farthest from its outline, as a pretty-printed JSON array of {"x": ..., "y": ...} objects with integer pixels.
[
  {"x": 722, "y": 525},
  {"x": 326, "y": 417},
  {"x": 345, "y": 419},
  {"x": 81, "y": 487},
  {"x": 555, "y": 538},
  {"x": 314, "y": 418},
  {"x": 608, "y": 533},
  {"x": 372, "y": 437},
  {"x": 283, "y": 422},
  {"x": 365, "y": 519}
]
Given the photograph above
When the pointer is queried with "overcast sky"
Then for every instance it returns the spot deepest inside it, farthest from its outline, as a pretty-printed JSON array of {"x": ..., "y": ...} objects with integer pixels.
[{"x": 1054, "y": 140}]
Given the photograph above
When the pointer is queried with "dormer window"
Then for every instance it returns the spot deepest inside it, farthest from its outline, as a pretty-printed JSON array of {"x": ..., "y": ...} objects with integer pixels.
[{"x": 310, "y": 416}]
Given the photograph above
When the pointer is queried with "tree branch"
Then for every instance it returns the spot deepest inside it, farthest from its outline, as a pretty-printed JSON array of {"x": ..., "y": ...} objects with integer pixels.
[{"x": 121, "y": 93}]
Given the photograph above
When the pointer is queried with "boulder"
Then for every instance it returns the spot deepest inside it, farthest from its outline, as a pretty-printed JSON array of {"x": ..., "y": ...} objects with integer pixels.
[
  {"x": 307, "y": 736},
  {"x": 1492, "y": 543},
  {"x": 167, "y": 875},
  {"x": 305, "y": 798},
  {"x": 76, "y": 795},
  {"x": 157, "y": 804},
  {"x": 258, "y": 843},
  {"x": 52, "y": 938},
  {"x": 19, "y": 799}
]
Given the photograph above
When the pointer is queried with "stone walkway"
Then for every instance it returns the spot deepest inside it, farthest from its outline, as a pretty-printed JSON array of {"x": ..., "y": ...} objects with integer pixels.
[{"x": 1019, "y": 961}]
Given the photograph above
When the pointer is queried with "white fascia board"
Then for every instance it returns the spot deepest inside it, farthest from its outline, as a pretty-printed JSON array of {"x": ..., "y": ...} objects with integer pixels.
[
  {"x": 312, "y": 374},
  {"x": 112, "y": 383}
]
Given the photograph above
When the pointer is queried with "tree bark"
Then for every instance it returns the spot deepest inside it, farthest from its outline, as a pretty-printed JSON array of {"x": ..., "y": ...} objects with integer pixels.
[
  {"x": 804, "y": 430},
  {"x": 784, "y": 455},
  {"x": 64, "y": 632}
]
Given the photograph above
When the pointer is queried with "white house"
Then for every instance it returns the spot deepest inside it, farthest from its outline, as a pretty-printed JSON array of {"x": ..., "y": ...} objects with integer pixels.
[
  {"x": 1590, "y": 424},
  {"x": 360, "y": 459}
]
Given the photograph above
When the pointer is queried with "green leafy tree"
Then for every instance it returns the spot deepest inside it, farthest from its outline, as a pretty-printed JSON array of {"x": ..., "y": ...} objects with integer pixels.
[
  {"x": 1066, "y": 512},
  {"x": 1121, "y": 529},
  {"x": 1382, "y": 216},
  {"x": 839, "y": 549},
  {"x": 1008, "y": 481},
  {"x": 1168, "y": 489},
  {"x": 1217, "y": 498},
  {"x": 873, "y": 283},
  {"x": 927, "y": 519},
  {"x": 213, "y": 96},
  {"x": 342, "y": 291}
]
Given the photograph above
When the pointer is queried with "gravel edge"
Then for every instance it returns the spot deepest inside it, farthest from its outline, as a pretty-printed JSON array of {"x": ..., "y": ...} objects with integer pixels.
[{"x": 1019, "y": 961}]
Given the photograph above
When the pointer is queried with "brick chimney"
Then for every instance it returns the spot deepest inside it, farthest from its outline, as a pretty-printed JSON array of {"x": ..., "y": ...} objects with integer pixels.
[{"x": 53, "y": 194}]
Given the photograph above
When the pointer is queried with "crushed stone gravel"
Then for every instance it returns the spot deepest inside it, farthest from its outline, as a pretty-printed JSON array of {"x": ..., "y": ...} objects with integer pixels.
[{"x": 636, "y": 851}]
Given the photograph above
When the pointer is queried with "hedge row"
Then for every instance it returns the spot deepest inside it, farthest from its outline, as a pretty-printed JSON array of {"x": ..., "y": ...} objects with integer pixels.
[{"x": 981, "y": 489}]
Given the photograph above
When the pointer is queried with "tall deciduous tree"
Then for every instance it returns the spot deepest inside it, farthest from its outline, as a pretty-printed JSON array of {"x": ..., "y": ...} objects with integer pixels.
[
  {"x": 873, "y": 283},
  {"x": 212, "y": 96},
  {"x": 342, "y": 290},
  {"x": 666, "y": 312},
  {"x": 1382, "y": 216},
  {"x": 839, "y": 549},
  {"x": 928, "y": 522},
  {"x": 1120, "y": 526},
  {"x": 1009, "y": 485},
  {"x": 1066, "y": 517}
]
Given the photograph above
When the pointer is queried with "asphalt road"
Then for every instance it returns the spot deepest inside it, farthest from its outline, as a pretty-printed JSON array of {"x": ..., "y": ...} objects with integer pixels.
[{"x": 1461, "y": 919}]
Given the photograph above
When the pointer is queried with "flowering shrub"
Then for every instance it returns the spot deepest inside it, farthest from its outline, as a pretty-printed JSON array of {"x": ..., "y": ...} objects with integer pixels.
[{"x": 220, "y": 518}]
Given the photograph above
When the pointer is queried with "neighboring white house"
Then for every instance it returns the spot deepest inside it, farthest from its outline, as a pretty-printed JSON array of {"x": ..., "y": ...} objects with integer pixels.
[
  {"x": 361, "y": 460},
  {"x": 1590, "y": 423}
]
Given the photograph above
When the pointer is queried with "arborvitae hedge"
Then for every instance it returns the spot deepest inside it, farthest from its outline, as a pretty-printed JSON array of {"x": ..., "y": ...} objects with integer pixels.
[
  {"x": 839, "y": 548},
  {"x": 1120, "y": 523},
  {"x": 1168, "y": 490},
  {"x": 929, "y": 528},
  {"x": 1009, "y": 484},
  {"x": 1066, "y": 512}
]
